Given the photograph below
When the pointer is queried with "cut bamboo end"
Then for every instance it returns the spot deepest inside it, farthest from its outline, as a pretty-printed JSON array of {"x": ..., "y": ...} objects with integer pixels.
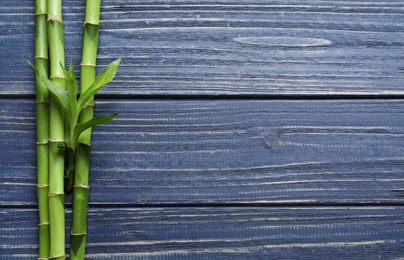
[
  {"x": 82, "y": 186},
  {"x": 88, "y": 65},
  {"x": 78, "y": 234},
  {"x": 54, "y": 194}
]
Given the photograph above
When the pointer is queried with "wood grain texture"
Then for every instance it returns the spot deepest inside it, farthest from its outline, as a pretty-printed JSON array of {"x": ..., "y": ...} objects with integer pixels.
[
  {"x": 226, "y": 47},
  {"x": 251, "y": 178},
  {"x": 226, "y": 151},
  {"x": 364, "y": 233}
]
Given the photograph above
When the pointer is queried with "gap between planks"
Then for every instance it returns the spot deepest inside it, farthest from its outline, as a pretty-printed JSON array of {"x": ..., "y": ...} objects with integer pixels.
[{"x": 257, "y": 97}]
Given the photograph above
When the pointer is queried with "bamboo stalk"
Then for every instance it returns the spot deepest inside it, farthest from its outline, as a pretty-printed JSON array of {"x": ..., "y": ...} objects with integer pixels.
[
  {"x": 82, "y": 156},
  {"x": 56, "y": 133},
  {"x": 42, "y": 126}
]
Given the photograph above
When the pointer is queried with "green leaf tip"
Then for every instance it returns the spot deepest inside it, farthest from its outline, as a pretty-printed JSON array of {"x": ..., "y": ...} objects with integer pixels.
[
  {"x": 101, "y": 80},
  {"x": 98, "y": 120},
  {"x": 72, "y": 89},
  {"x": 32, "y": 65}
]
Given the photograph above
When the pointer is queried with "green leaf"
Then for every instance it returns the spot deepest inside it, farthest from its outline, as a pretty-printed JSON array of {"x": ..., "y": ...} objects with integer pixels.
[
  {"x": 80, "y": 128},
  {"x": 72, "y": 87},
  {"x": 57, "y": 92},
  {"x": 102, "y": 79}
]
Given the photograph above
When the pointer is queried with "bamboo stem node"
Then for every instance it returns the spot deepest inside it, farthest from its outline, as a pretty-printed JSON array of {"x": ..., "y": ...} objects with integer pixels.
[
  {"x": 58, "y": 256},
  {"x": 43, "y": 224},
  {"x": 54, "y": 18},
  {"x": 82, "y": 186},
  {"x": 41, "y": 57},
  {"x": 41, "y": 186},
  {"x": 56, "y": 141},
  {"x": 40, "y": 13},
  {"x": 79, "y": 234},
  {"x": 54, "y": 194},
  {"x": 57, "y": 77},
  {"x": 88, "y": 65},
  {"x": 90, "y": 23},
  {"x": 41, "y": 143}
]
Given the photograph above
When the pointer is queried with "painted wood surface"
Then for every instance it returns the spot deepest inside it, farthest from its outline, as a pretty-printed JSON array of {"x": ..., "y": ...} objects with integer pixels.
[
  {"x": 247, "y": 130},
  {"x": 226, "y": 47},
  {"x": 225, "y": 233},
  {"x": 227, "y": 151}
]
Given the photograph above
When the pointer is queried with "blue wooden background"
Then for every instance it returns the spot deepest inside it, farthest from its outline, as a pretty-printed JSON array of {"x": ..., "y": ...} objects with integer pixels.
[{"x": 247, "y": 130}]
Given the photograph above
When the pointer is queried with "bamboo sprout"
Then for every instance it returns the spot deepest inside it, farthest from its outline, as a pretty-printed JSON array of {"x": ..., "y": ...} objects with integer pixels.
[
  {"x": 72, "y": 107},
  {"x": 42, "y": 125},
  {"x": 82, "y": 159},
  {"x": 56, "y": 133},
  {"x": 70, "y": 143}
]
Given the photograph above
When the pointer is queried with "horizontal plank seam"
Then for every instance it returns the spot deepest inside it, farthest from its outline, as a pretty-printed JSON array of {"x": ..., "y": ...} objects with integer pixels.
[
  {"x": 228, "y": 97},
  {"x": 221, "y": 205}
]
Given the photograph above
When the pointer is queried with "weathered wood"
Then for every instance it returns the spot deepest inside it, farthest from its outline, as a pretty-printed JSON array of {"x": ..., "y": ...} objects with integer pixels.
[
  {"x": 223, "y": 233},
  {"x": 226, "y": 47},
  {"x": 224, "y": 179},
  {"x": 226, "y": 151}
]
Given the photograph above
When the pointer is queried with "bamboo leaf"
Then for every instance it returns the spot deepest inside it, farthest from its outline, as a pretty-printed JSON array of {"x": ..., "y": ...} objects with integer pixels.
[
  {"x": 102, "y": 79},
  {"x": 98, "y": 120},
  {"x": 56, "y": 91},
  {"x": 72, "y": 86},
  {"x": 72, "y": 76}
]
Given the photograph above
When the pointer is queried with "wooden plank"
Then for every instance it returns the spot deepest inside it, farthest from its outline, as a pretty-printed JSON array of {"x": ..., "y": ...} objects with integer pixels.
[
  {"x": 225, "y": 151},
  {"x": 223, "y": 233},
  {"x": 226, "y": 47}
]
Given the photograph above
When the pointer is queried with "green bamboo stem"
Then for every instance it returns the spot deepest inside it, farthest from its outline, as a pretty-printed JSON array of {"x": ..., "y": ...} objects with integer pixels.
[
  {"x": 42, "y": 126},
  {"x": 56, "y": 133},
  {"x": 82, "y": 156},
  {"x": 78, "y": 236}
]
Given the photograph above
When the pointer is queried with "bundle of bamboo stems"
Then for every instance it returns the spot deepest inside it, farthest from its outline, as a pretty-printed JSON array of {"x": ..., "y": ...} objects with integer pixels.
[{"x": 64, "y": 126}]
